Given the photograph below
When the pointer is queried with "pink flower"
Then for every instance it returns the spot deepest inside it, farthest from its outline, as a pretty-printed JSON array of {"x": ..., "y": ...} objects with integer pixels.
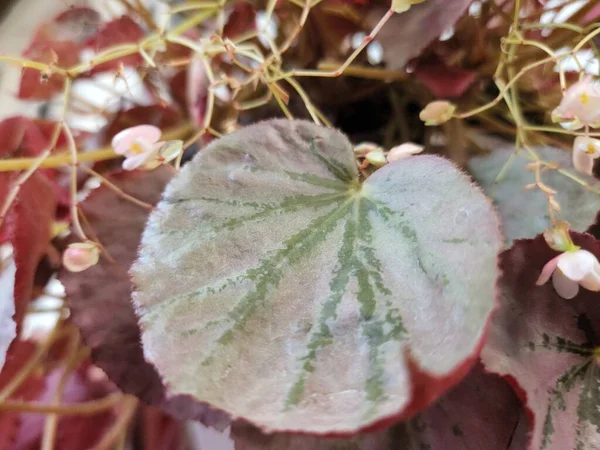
[
  {"x": 142, "y": 147},
  {"x": 585, "y": 151},
  {"x": 403, "y": 151},
  {"x": 81, "y": 256},
  {"x": 572, "y": 269},
  {"x": 581, "y": 104}
]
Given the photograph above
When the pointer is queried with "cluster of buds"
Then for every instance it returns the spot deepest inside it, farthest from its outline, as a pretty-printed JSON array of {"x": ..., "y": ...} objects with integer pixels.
[
  {"x": 373, "y": 155},
  {"x": 580, "y": 108}
]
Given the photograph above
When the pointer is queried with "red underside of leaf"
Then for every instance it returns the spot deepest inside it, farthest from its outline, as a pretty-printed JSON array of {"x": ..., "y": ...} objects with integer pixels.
[
  {"x": 444, "y": 81},
  {"x": 116, "y": 32},
  {"x": 59, "y": 42}
]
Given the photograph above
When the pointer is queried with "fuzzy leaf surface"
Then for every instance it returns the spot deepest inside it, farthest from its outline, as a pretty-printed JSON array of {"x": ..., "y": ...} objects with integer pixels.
[
  {"x": 524, "y": 213},
  {"x": 99, "y": 298},
  {"x": 481, "y": 412},
  {"x": 275, "y": 286},
  {"x": 545, "y": 345}
]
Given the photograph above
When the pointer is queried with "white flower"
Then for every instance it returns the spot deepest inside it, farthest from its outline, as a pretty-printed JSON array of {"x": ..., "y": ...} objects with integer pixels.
[
  {"x": 142, "y": 147},
  {"x": 572, "y": 269},
  {"x": 585, "y": 151},
  {"x": 403, "y": 151},
  {"x": 580, "y": 104},
  {"x": 438, "y": 112},
  {"x": 81, "y": 256}
]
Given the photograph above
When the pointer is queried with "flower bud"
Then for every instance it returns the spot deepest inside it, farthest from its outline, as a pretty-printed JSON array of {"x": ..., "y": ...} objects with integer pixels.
[
  {"x": 400, "y": 6},
  {"x": 438, "y": 112},
  {"x": 403, "y": 151},
  {"x": 558, "y": 237},
  {"x": 376, "y": 158},
  {"x": 81, "y": 256}
]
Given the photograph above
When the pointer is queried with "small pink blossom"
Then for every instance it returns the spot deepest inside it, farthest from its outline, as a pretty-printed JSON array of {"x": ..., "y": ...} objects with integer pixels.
[
  {"x": 81, "y": 256},
  {"x": 142, "y": 147},
  {"x": 580, "y": 104},
  {"x": 585, "y": 151},
  {"x": 572, "y": 269},
  {"x": 403, "y": 151}
]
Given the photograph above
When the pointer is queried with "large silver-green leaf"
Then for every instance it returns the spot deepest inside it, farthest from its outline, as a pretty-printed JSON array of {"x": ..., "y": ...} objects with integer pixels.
[
  {"x": 273, "y": 284},
  {"x": 524, "y": 213}
]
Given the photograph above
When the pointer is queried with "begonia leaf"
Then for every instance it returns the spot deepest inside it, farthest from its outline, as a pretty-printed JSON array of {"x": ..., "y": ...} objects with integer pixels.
[
  {"x": 123, "y": 30},
  {"x": 99, "y": 298},
  {"x": 406, "y": 35},
  {"x": 58, "y": 42},
  {"x": 547, "y": 346},
  {"x": 274, "y": 285},
  {"x": 524, "y": 213},
  {"x": 481, "y": 412}
]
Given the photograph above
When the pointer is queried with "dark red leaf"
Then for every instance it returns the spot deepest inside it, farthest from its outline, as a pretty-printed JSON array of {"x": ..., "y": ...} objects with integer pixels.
[
  {"x": 242, "y": 19},
  {"x": 547, "y": 347},
  {"x": 444, "y": 81},
  {"x": 59, "y": 42},
  {"x": 406, "y": 35},
  {"x": 159, "y": 431},
  {"x": 99, "y": 298},
  {"x": 27, "y": 226},
  {"x": 123, "y": 30},
  {"x": 159, "y": 116},
  {"x": 18, "y": 355},
  {"x": 73, "y": 432}
]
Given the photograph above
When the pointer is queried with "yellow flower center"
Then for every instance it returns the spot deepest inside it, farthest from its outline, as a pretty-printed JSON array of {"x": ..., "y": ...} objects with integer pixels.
[
  {"x": 136, "y": 148},
  {"x": 584, "y": 98},
  {"x": 590, "y": 149}
]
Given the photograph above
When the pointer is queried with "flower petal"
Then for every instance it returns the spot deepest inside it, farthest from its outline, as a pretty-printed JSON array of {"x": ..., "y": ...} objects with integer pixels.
[
  {"x": 403, "y": 151},
  {"x": 564, "y": 286},
  {"x": 576, "y": 265},
  {"x": 123, "y": 140},
  {"x": 547, "y": 271},
  {"x": 591, "y": 281},
  {"x": 139, "y": 160},
  {"x": 583, "y": 162}
]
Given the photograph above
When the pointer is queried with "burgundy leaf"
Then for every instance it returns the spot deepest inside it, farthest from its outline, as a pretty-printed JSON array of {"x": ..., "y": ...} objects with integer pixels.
[
  {"x": 18, "y": 355},
  {"x": 73, "y": 432},
  {"x": 445, "y": 81},
  {"x": 99, "y": 298},
  {"x": 58, "y": 41},
  {"x": 242, "y": 19},
  {"x": 547, "y": 347},
  {"x": 406, "y": 35},
  {"x": 123, "y": 30},
  {"x": 159, "y": 116},
  {"x": 27, "y": 226}
]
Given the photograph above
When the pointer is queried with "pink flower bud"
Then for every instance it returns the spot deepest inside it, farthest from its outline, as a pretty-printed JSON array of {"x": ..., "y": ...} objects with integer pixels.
[
  {"x": 80, "y": 256},
  {"x": 403, "y": 151},
  {"x": 438, "y": 112}
]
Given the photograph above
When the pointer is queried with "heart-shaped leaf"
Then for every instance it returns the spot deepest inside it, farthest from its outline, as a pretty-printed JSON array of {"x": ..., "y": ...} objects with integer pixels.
[
  {"x": 273, "y": 284},
  {"x": 524, "y": 213},
  {"x": 548, "y": 346}
]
